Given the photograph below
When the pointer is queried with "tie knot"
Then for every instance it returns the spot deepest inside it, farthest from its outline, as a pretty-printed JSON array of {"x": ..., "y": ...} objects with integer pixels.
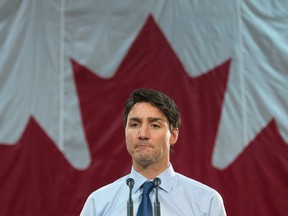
[{"x": 147, "y": 187}]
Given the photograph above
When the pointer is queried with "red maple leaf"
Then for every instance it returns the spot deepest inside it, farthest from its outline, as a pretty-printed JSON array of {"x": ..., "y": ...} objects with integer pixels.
[{"x": 37, "y": 180}]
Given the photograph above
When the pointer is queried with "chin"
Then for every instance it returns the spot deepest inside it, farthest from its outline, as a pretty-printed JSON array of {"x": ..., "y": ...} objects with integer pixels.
[{"x": 145, "y": 161}]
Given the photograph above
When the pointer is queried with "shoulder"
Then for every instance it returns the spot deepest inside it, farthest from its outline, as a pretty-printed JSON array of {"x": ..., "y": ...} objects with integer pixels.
[
  {"x": 111, "y": 188},
  {"x": 107, "y": 199},
  {"x": 199, "y": 189},
  {"x": 200, "y": 196}
]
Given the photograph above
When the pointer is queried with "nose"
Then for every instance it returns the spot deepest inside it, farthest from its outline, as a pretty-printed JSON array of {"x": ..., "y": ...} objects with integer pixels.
[{"x": 143, "y": 132}]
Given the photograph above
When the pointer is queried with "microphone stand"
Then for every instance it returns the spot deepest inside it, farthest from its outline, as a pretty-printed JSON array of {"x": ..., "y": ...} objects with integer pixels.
[
  {"x": 130, "y": 182},
  {"x": 157, "y": 207}
]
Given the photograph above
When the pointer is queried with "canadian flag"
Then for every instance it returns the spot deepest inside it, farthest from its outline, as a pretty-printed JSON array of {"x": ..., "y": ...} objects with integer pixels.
[{"x": 67, "y": 68}]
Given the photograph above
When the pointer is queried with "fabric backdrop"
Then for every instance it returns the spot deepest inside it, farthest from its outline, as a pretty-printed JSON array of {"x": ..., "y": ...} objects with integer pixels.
[{"x": 67, "y": 68}]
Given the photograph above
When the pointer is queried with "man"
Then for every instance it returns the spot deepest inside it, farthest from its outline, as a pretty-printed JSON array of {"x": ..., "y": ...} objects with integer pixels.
[{"x": 152, "y": 122}]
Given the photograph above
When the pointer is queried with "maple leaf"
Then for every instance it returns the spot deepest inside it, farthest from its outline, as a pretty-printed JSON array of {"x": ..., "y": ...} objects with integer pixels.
[
  {"x": 257, "y": 90},
  {"x": 256, "y": 183},
  {"x": 37, "y": 179}
]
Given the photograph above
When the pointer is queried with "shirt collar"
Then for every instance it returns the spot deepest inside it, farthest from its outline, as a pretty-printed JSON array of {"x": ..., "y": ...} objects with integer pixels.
[{"x": 167, "y": 179}]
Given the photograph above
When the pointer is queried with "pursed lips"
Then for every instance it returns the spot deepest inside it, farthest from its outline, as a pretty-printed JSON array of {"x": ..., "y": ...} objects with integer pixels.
[{"x": 143, "y": 145}]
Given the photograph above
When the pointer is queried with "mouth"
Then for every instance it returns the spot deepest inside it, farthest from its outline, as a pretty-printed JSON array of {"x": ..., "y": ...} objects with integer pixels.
[{"x": 143, "y": 146}]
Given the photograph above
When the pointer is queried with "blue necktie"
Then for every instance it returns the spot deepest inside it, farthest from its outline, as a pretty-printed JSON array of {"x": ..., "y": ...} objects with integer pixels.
[{"x": 145, "y": 207}]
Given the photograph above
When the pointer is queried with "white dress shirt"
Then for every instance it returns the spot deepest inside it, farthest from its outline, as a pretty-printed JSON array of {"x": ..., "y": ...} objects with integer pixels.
[{"x": 178, "y": 196}]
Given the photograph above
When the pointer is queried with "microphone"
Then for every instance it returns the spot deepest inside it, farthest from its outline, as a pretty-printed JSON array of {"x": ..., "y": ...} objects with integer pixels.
[
  {"x": 157, "y": 209},
  {"x": 130, "y": 182}
]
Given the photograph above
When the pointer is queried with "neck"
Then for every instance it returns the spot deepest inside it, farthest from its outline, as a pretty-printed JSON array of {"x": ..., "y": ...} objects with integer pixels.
[{"x": 150, "y": 171}]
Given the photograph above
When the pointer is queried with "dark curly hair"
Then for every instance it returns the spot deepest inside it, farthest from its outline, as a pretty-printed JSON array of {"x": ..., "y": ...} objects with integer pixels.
[{"x": 157, "y": 99}]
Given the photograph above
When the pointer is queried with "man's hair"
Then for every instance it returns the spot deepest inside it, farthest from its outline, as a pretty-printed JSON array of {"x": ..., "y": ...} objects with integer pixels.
[{"x": 157, "y": 99}]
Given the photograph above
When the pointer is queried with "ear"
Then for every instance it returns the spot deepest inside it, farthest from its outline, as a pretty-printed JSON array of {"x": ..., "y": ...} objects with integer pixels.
[{"x": 174, "y": 136}]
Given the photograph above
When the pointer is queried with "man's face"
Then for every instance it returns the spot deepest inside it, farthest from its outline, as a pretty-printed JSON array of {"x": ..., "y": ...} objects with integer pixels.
[{"x": 148, "y": 137}]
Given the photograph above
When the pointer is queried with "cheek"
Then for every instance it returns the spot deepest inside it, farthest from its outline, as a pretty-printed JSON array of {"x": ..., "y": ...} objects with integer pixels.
[
  {"x": 128, "y": 139},
  {"x": 168, "y": 138},
  {"x": 165, "y": 140},
  {"x": 126, "y": 135},
  {"x": 128, "y": 145}
]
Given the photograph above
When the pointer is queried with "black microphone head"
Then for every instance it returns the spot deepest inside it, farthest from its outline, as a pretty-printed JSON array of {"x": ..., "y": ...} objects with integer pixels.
[
  {"x": 130, "y": 182},
  {"x": 157, "y": 181}
]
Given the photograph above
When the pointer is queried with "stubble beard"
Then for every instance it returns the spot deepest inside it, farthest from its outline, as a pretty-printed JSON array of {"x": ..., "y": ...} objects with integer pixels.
[{"x": 144, "y": 159}]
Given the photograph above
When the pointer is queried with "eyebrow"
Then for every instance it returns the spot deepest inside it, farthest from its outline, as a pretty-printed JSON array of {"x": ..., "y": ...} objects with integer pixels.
[
  {"x": 150, "y": 119},
  {"x": 153, "y": 119}
]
